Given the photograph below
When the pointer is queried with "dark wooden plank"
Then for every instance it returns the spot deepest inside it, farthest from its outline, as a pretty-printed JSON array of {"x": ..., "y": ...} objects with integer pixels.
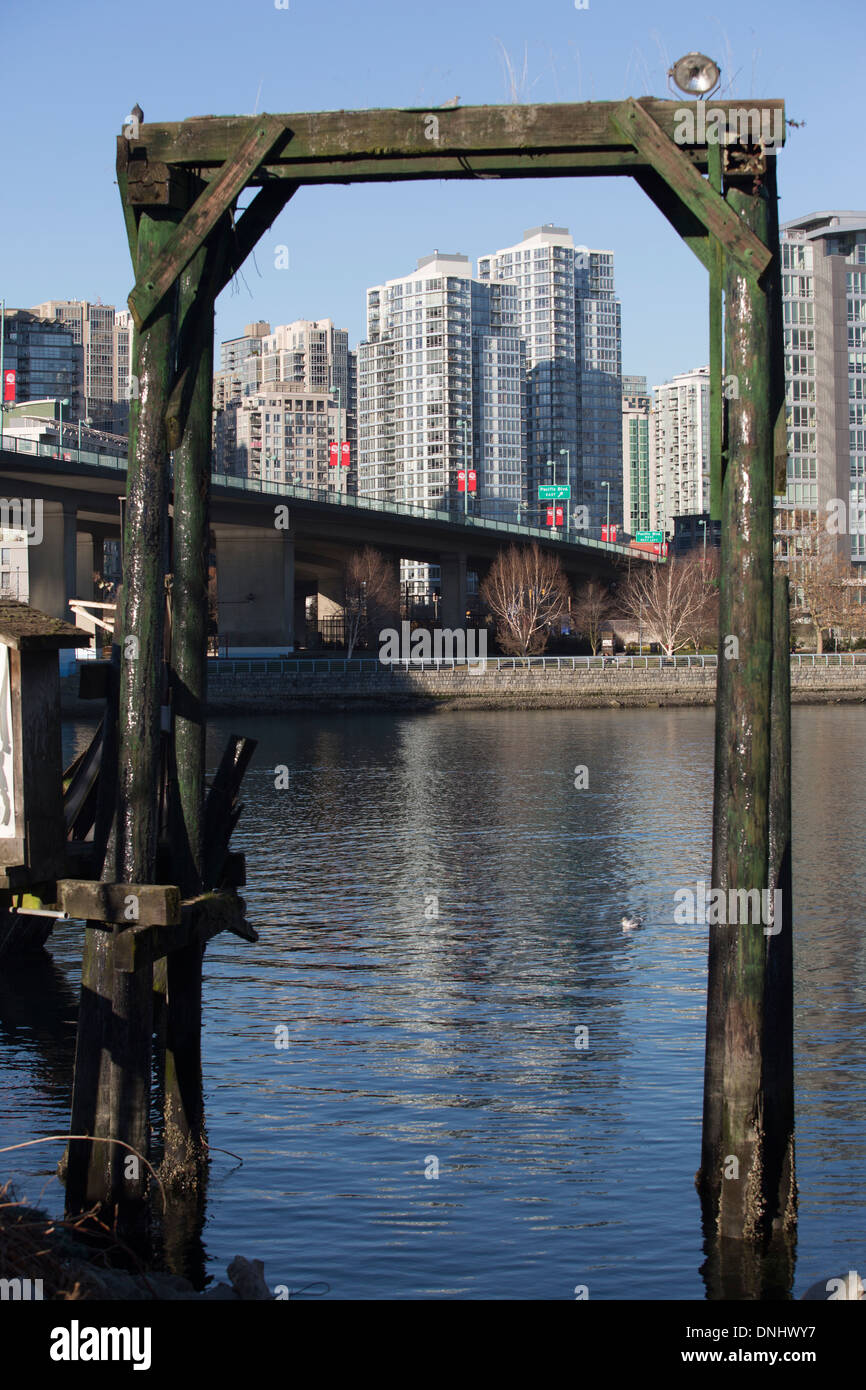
[
  {"x": 88, "y": 1166},
  {"x": 220, "y": 807},
  {"x": 156, "y": 278}
]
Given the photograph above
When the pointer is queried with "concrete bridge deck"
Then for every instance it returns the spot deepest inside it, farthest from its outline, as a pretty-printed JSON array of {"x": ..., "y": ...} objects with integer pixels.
[{"x": 269, "y": 562}]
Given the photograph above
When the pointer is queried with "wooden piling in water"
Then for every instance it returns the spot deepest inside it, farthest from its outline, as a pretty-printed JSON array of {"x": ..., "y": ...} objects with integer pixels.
[
  {"x": 780, "y": 1189},
  {"x": 139, "y": 717},
  {"x": 740, "y": 1093},
  {"x": 184, "y": 1137}
]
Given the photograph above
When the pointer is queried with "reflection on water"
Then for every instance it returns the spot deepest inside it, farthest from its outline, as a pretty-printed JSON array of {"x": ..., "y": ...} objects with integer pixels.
[{"x": 439, "y": 911}]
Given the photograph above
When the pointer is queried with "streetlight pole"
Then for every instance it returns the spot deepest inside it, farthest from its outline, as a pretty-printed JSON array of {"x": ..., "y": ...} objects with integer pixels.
[
  {"x": 62, "y": 401},
  {"x": 701, "y": 522},
  {"x": 606, "y": 484}
]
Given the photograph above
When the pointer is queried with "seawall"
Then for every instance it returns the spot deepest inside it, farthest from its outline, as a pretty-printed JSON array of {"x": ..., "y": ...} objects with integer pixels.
[{"x": 266, "y": 691}]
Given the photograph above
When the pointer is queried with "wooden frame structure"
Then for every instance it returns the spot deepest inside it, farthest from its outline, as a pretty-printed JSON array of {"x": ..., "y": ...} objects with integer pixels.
[{"x": 179, "y": 186}]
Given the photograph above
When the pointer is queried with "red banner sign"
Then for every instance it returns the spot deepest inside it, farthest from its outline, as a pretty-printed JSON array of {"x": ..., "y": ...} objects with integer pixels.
[
  {"x": 554, "y": 516},
  {"x": 345, "y": 455},
  {"x": 652, "y": 547},
  {"x": 8, "y": 384},
  {"x": 333, "y": 450},
  {"x": 461, "y": 480},
  {"x": 604, "y": 533}
]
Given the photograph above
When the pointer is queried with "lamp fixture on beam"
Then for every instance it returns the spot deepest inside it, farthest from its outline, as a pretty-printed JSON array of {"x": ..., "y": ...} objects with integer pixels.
[{"x": 696, "y": 75}]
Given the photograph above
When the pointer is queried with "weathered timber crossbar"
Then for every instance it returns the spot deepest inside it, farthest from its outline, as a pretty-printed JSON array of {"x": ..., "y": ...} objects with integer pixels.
[{"x": 711, "y": 171}]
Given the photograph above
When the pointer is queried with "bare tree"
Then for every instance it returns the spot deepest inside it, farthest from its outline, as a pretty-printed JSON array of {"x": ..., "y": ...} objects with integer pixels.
[
  {"x": 591, "y": 608},
  {"x": 371, "y": 595},
  {"x": 825, "y": 587},
  {"x": 702, "y": 622},
  {"x": 666, "y": 599},
  {"x": 527, "y": 593}
]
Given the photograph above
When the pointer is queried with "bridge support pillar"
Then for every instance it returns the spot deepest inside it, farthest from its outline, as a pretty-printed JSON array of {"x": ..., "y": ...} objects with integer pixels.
[
  {"x": 84, "y": 565},
  {"x": 453, "y": 590},
  {"x": 53, "y": 562},
  {"x": 255, "y": 588}
]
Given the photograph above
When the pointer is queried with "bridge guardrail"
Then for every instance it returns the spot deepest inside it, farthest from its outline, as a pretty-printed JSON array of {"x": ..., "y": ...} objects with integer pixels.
[
  {"x": 324, "y": 665},
  {"x": 455, "y": 517}
]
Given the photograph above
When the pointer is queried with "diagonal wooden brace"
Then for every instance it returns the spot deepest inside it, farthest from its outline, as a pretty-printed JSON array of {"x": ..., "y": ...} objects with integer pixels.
[
  {"x": 257, "y": 143},
  {"x": 253, "y": 223},
  {"x": 691, "y": 190},
  {"x": 228, "y": 249},
  {"x": 681, "y": 217}
]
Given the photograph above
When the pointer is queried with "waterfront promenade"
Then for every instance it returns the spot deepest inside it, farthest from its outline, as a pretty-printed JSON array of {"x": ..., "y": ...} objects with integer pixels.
[{"x": 274, "y": 685}]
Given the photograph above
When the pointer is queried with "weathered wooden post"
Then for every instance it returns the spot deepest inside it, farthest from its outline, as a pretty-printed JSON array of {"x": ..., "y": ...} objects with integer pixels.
[
  {"x": 145, "y": 545},
  {"x": 780, "y": 1188},
  {"x": 190, "y": 426},
  {"x": 743, "y": 1190}
]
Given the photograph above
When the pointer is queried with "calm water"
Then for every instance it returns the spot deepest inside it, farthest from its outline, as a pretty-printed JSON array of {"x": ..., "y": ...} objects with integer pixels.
[{"x": 416, "y": 1040}]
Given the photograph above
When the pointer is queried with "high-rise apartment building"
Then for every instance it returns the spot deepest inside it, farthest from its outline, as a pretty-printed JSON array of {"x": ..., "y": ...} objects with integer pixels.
[
  {"x": 240, "y": 369},
  {"x": 47, "y": 361},
  {"x": 440, "y": 387},
  {"x": 313, "y": 355},
  {"x": 122, "y": 369},
  {"x": 598, "y": 333},
  {"x": 681, "y": 442},
  {"x": 92, "y": 326},
  {"x": 824, "y": 325},
  {"x": 638, "y": 454},
  {"x": 570, "y": 319},
  {"x": 282, "y": 435}
]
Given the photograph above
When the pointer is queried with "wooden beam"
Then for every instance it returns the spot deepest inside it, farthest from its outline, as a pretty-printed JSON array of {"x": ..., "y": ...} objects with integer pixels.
[
  {"x": 477, "y": 165},
  {"x": 202, "y": 918},
  {"x": 214, "y": 201},
  {"x": 711, "y": 210},
  {"x": 152, "y": 904},
  {"x": 382, "y": 136}
]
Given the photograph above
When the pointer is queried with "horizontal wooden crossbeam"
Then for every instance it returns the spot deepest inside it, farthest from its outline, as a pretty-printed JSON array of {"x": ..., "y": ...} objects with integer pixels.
[
  {"x": 145, "y": 904},
  {"x": 509, "y": 141}
]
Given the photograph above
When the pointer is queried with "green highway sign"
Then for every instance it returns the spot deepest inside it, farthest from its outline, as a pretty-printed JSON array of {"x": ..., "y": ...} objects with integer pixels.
[
  {"x": 560, "y": 493},
  {"x": 649, "y": 536}
]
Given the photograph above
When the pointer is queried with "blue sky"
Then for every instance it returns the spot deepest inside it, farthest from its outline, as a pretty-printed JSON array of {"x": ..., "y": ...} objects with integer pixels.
[{"x": 71, "y": 72}]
